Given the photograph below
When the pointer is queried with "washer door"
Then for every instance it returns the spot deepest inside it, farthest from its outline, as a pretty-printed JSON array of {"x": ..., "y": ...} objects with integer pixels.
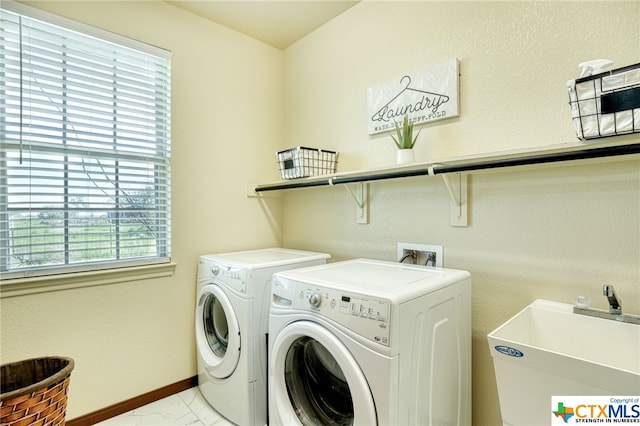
[
  {"x": 217, "y": 331},
  {"x": 316, "y": 381}
]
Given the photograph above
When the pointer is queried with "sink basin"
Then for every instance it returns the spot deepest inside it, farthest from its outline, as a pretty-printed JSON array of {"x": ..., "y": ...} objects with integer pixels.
[{"x": 546, "y": 350}]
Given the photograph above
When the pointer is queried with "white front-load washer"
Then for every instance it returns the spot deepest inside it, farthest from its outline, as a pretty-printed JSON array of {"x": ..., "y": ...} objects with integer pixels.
[
  {"x": 367, "y": 342},
  {"x": 231, "y": 327}
]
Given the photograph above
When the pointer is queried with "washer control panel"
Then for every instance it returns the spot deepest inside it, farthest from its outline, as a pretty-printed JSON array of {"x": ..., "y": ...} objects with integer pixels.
[
  {"x": 365, "y": 315},
  {"x": 231, "y": 275}
]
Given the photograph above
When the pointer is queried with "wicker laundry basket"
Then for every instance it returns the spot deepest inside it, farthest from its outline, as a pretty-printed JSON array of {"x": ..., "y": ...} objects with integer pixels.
[{"x": 34, "y": 391}]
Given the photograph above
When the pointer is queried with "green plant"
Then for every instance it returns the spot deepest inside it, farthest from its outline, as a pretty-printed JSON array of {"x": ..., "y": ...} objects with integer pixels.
[{"x": 405, "y": 139}]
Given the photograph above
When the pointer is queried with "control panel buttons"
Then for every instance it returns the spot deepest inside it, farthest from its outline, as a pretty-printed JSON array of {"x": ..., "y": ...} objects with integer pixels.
[{"x": 367, "y": 316}]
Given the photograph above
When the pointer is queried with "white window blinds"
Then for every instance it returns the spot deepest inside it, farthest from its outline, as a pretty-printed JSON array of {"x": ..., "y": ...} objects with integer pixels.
[{"x": 85, "y": 155}]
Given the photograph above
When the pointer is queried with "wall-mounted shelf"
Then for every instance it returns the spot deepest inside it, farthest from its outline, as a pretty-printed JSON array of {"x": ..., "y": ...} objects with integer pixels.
[
  {"x": 460, "y": 169},
  {"x": 422, "y": 169}
]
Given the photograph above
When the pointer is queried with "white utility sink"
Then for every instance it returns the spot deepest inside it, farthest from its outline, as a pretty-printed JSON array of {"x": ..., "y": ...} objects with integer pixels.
[{"x": 547, "y": 350}]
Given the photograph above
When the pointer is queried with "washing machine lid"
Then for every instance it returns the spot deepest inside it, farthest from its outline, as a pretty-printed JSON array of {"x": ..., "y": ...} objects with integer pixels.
[
  {"x": 266, "y": 258},
  {"x": 395, "y": 281}
]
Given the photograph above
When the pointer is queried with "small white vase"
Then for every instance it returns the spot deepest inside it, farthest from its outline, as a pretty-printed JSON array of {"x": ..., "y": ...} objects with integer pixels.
[{"x": 404, "y": 156}]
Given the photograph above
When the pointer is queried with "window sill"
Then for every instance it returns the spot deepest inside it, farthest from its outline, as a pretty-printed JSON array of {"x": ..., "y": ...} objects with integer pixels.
[{"x": 25, "y": 286}]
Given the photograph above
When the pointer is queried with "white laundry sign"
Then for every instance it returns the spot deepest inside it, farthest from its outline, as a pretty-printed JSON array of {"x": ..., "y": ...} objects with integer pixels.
[{"x": 427, "y": 95}]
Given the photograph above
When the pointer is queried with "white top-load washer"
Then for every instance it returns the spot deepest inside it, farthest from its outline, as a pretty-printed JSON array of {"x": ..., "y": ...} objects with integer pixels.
[
  {"x": 367, "y": 342},
  {"x": 232, "y": 311}
]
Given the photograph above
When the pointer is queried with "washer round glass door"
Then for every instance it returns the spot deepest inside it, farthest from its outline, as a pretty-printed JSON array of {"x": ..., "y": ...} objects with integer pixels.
[
  {"x": 315, "y": 380},
  {"x": 217, "y": 331}
]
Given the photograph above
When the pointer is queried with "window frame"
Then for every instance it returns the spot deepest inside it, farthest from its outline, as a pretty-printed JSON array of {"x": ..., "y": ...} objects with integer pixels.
[{"x": 39, "y": 278}]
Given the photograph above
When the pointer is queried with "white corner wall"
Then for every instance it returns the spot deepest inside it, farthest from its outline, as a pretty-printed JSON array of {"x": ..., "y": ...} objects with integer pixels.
[
  {"x": 227, "y": 122},
  {"x": 539, "y": 232}
]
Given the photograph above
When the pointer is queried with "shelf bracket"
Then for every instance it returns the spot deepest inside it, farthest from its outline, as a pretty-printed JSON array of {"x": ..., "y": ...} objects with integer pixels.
[
  {"x": 457, "y": 189},
  {"x": 361, "y": 196}
]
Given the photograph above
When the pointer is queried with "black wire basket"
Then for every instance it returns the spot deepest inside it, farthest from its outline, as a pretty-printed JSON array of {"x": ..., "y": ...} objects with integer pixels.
[
  {"x": 301, "y": 162},
  {"x": 606, "y": 104}
]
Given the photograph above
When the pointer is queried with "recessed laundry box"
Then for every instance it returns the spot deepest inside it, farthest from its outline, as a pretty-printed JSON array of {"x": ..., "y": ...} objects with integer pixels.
[{"x": 546, "y": 350}]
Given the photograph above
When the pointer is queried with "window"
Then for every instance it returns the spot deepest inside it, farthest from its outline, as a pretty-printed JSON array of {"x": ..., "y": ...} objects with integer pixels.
[{"x": 85, "y": 147}]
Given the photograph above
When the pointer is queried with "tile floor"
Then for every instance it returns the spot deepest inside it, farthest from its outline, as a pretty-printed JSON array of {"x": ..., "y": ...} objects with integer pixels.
[{"x": 185, "y": 408}]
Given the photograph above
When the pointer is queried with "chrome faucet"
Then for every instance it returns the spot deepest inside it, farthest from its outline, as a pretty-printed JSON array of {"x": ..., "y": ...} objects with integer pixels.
[{"x": 615, "y": 306}]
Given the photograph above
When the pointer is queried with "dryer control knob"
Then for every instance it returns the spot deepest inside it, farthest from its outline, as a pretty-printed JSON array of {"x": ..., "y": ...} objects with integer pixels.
[
  {"x": 315, "y": 300},
  {"x": 215, "y": 270}
]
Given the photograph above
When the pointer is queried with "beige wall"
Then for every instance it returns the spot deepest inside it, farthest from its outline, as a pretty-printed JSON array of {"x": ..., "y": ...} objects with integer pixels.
[
  {"x": 540, "y": 232},
  {"x": 550, "y": 232},
  {"x": 227, "y": 96}
]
